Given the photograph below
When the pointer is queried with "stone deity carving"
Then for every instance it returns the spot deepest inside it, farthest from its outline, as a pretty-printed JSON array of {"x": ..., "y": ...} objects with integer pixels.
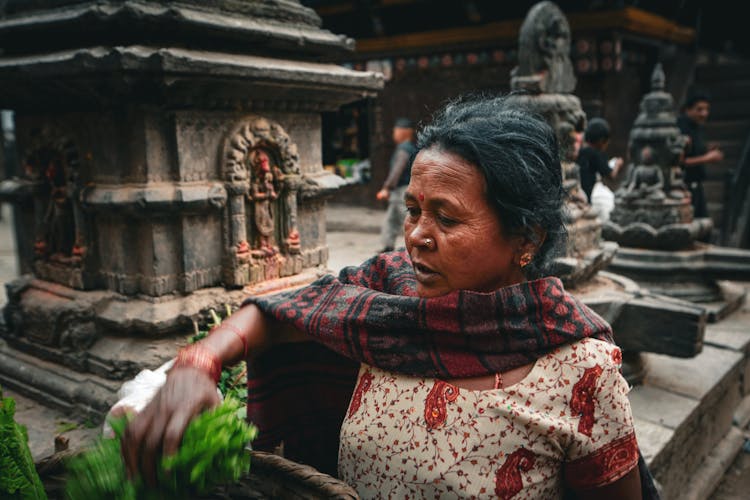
[
  {"x": 262, "y": 192},
  {"x": 59, "y": 218},
  {"x": 544, "y": 44},
  {"x": 647, "y": 180}
]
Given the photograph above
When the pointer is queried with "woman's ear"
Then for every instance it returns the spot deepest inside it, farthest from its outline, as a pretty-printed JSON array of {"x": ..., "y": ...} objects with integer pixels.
[{"x": 529, "y": 245}]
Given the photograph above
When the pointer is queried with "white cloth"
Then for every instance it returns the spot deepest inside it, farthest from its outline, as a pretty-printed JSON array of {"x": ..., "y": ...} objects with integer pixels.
[
  {"x": 135, "y": 394},
  {"x": 602, "y": 200}
]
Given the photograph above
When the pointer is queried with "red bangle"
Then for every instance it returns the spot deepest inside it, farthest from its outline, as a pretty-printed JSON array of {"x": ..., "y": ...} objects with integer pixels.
[
  {"x": 237, "y": 332},
  {"x": 197, "y": 356}
]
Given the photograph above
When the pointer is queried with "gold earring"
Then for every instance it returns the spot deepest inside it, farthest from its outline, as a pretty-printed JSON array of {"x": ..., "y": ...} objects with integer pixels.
[{"x": 525, "y": 259}]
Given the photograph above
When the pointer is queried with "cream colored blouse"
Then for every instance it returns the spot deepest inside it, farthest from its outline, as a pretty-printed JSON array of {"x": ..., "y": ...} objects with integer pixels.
[{"x": 568, "y": 422}]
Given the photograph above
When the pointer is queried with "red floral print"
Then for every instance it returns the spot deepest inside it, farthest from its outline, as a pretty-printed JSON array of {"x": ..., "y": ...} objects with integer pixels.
[
  {"x": 617, "y": 356},
  {"x": 365, "y": 381},
  {"x": 435, "y": 410},
  {"x": 508, "y": 480},
  {"x": 582, "y": 402},
  {"x": 396, "y": 446},
  {"x": 606, "y": 465}
]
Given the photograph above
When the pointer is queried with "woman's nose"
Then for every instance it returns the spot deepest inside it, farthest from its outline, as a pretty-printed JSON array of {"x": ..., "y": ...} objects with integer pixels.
[{"x": 419, "y": 231}]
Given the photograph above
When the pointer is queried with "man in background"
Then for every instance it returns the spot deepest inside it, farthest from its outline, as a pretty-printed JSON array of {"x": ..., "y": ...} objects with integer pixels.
[
  {"x": 693, "y": 116},
  {"x": 395, "y": 184}
]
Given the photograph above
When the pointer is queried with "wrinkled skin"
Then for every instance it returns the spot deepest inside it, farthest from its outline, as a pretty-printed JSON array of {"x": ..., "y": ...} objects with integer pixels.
[{"x": 469, "y": 250}]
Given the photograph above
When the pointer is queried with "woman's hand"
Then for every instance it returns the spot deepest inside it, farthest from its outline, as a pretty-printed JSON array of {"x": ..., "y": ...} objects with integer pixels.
[{"x": 157, "y": 431}]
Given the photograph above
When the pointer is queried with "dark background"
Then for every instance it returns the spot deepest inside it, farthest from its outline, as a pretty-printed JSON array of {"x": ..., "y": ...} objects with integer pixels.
[{"x": 720, "y": 25}]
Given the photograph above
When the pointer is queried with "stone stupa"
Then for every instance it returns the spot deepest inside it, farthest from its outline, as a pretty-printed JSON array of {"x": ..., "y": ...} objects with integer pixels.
[{"x": 660, "y": 241}]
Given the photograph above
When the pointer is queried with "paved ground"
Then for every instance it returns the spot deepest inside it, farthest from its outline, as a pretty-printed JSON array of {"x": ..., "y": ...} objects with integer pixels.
[{"x": 353, "y": 234}]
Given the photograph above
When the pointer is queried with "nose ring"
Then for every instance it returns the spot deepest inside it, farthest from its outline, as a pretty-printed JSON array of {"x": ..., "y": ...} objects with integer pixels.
[{"x": 428, "y": 242}]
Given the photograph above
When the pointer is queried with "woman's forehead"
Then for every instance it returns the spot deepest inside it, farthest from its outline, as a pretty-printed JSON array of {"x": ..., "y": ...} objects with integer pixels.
[
  {"x": 446, "y": 171},
  {"x": 439, "y": 162}
]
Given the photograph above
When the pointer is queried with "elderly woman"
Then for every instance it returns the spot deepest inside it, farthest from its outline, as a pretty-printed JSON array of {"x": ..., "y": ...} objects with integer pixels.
[{"x": 477, "y": 377}]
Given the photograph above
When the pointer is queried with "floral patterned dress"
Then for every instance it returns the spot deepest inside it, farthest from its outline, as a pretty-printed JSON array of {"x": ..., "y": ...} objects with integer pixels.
[{"x": 568, "y": 422}]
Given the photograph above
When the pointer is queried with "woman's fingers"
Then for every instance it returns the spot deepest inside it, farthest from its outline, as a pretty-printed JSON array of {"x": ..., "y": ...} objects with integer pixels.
[
  {"x": 152, "y": 445},
  {"x": 158, "y": 430},
  {"x": 174, "y": 432},
  {"x": 135, "y": 432}
]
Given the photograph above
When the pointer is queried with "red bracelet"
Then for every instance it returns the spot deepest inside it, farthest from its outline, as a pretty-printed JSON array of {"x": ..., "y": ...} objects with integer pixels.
[
  {"x": 237, "y": 332},
  {"x": 197, "y": 356}
]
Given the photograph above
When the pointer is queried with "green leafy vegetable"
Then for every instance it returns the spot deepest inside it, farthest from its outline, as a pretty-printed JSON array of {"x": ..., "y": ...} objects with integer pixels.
[
  {"x": 231, "y": 384},
  {"x": 18, "y": 476},
  {"x": 213, "y": 452}
]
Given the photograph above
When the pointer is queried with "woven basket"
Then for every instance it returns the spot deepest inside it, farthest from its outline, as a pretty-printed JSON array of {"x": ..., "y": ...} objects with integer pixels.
[{"x": 271, "y": 476}]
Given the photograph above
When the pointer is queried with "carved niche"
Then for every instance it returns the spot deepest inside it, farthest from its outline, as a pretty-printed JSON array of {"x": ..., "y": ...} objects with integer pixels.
[
  {"x": 52, "y": 167},
  {"x": 261, "y": 171}
]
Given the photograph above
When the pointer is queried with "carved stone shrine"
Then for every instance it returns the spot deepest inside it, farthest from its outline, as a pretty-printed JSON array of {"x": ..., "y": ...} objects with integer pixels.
[
  {"x": 653, "y": 222},
  {"x": 638, "y": 317},
  {"x": 168, "y": 169}
]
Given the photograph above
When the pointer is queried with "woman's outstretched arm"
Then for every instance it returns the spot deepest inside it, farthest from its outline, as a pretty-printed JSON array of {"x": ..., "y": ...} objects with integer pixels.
[{"x": 191, "y": 386}]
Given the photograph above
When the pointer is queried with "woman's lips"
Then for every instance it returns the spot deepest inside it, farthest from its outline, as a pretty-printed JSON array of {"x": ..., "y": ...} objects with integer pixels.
[{"x": 424, "y": 273}]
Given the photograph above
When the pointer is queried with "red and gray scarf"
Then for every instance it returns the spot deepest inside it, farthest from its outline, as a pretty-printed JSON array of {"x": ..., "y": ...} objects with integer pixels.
[{"x": 298, "y": 393}]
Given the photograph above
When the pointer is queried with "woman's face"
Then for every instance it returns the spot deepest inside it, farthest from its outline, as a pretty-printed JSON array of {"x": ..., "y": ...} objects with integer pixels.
[{"x": 466, "y": 248}]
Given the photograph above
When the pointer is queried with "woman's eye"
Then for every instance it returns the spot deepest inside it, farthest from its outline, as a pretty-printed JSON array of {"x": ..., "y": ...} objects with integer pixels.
[
  {"x": 446, "y": 221},
  {"x": 412, "y": 211}
]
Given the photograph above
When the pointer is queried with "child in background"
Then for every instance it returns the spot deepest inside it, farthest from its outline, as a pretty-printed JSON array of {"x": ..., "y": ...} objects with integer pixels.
[{"x": 592, "y": 159}]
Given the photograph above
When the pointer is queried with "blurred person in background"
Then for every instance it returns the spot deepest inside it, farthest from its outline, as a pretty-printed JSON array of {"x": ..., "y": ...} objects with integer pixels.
[
  {"x": 693, "y": 116},
  {"x": 395, "y": 184}
]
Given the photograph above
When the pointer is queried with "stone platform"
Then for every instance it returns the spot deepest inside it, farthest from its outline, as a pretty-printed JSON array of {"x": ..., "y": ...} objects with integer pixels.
[{"x": 701, "y": 274}]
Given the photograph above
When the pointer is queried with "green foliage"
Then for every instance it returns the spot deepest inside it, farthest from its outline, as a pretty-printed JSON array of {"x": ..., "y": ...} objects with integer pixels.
[
  {"x": 18, "y": 476},
  {"x": 231, "y": 384},
  {"x": 212, "y": 453},
  {"x": 64, "y": 426}
]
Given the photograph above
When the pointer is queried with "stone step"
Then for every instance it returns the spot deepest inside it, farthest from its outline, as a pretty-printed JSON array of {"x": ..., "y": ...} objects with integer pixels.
[
  {"x": 56, "y": 386},
  {"x": 683, "y": 410},
  {"x": 714, "y": 466}
]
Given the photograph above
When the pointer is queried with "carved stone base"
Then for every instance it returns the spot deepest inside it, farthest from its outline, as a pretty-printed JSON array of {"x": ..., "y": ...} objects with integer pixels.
[
  {"x": 574, "y": 271},
  {"x": 71, "y": 348},
  {"x": 642, "y": 321},
  {"x": 654, "y": 212},
  {"x": 54, "y": 315},
  {"x": 693, "y": 275},
  {"x": 74, "y": 277},
  {"x": 667, "y": 237},
  {"x": 584, "y": 235}
]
